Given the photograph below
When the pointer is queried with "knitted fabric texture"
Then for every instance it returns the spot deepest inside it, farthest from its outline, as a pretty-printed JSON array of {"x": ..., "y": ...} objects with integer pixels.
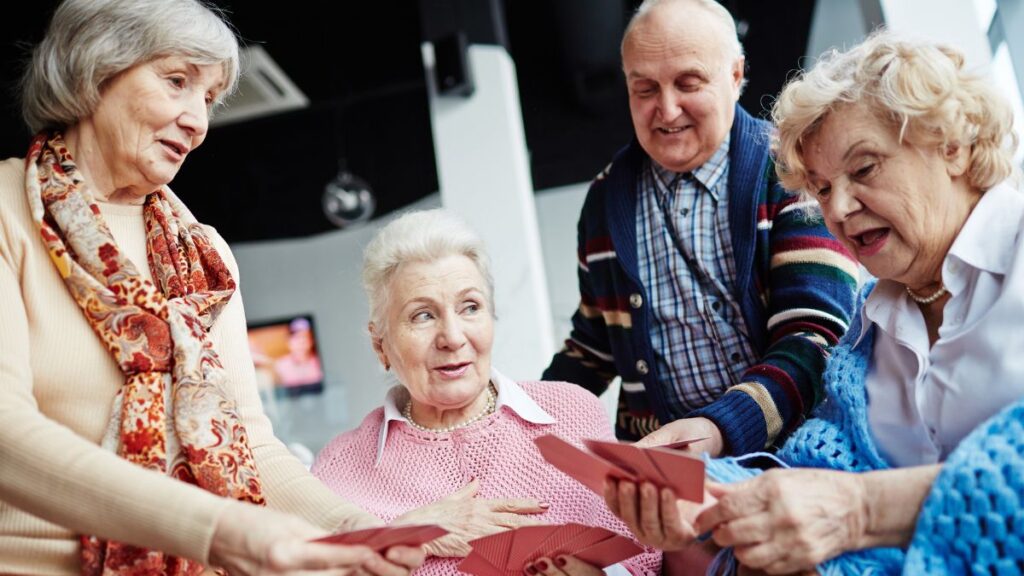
[
  {"x": 972, "y": 520},
  {"x": 420, "y": 467},
  {"x": 795, "y": 285}
]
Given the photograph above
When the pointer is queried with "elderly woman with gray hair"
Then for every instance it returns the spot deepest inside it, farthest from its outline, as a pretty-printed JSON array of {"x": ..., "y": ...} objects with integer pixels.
[
  {"x": 133, "y": 441},
  {"x": 454, "y": 425},
  {"x": 914, "y": 461}
]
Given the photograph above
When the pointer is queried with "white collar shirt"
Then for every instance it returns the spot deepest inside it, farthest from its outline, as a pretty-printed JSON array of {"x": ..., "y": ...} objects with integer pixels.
[
  {"x": 510, "y": 394},
  {"x": 922, "y": 402}
]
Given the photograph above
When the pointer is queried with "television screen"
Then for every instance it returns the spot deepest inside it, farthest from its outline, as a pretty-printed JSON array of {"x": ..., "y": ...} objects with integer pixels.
[{"x": 286, "y": 356}]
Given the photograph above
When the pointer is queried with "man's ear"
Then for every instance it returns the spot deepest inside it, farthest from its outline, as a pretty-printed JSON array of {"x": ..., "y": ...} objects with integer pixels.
[
  {"x": 736, "y": 74},
  {"x": 377, "y": 339},
  {"x": 957, "y": 157}
]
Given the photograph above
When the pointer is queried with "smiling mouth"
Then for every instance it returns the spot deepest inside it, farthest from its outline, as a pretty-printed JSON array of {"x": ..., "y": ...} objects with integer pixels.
[
  {"x": 671, "y": 130},
  {"x": 175, "y": 148},
  {"x": 869, "y": 241},
  {"x": 453, "y": 370}
]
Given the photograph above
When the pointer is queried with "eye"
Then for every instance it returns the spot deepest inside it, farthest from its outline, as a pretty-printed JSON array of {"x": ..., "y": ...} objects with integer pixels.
[
  {"x": 643, "y": 90},
  {"x": 823, "y": 192},
  {"x": 176, "y": 81},
  {"x": 422, "y": 316},
  {"x": 471, "y": 307},
  {"x": 864, "y": 171}
]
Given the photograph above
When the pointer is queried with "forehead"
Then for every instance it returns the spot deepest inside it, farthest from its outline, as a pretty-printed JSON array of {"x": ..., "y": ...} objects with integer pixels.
[
  {"x": 842, "y": 133},
  {"x": 442, "y": 277},
  {"x": 675, "y": 38}
]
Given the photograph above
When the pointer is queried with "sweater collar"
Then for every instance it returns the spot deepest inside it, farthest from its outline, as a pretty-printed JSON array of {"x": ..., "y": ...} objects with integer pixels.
[{"x": 510, "y": 394}]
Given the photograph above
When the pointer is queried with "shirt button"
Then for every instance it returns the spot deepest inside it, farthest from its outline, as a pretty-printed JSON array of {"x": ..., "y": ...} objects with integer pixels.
[
  {"x": 636, "y": 300},
  {"x": 716, "y": 305},
  {"x": 641, "y": 367},
  {"x": 735, "y": 357},
  {"x": 685, "y": 211}
]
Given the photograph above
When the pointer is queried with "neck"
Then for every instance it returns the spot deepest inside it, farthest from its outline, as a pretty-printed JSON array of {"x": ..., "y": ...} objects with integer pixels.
[
  {"x": 94, "y": 167},
  {"x": 436, "y": 418}
]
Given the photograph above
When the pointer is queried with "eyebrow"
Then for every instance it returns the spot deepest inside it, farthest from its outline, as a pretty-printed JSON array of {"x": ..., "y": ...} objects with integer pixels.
[{"x": 854, "y": 149}]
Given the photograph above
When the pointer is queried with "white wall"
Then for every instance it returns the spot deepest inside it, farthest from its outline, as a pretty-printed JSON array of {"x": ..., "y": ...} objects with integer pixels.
[{"x": 320, "y": 275}]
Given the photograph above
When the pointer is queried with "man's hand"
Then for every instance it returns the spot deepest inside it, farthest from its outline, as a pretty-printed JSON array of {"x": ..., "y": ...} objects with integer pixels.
[
  {"x": 467, "y": 518},
  {"x": 656, "y": 517},
  {"x": 688, "y": 429}
]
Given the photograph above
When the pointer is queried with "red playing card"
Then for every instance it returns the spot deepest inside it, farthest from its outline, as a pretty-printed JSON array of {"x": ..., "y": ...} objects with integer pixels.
[
  {"x": 609, "y": 551},
  {"x": 585, "y": 540},
  {"x": 560, "y": 537},
  {"x": 412, "y": 535},
  {"x": 380, "y": 539},
  {"x": 682, "y": 443},
  {"x": 351, "y": 538},
  {"x": 494, "y": 548},
  {"x": 586, "y": 468},
  {"x": 475, "y": 564},
  {"x": 526, "y": 543},
  {"x": 628, "y": 457},
  {"x": 683, "y": 473}
]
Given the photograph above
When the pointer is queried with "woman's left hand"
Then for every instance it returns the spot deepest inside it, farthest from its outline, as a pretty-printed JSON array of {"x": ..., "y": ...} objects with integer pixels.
[
  {"x": 561, "y": 566},
  {"x": 788, "y": 520}
]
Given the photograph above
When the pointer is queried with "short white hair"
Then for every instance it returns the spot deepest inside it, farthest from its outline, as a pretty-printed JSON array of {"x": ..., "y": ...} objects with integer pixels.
[
  {"x": 712, "y": 7},
  {"x": 419, "y": 236},
  {"x": 90, "y": 41}
]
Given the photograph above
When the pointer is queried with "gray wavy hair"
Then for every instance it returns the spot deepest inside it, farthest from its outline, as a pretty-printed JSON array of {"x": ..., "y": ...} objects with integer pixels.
[
  {"x": 419, "y": 236},
  {"x": 90, "y": 41},
  {"x": 920, "y": 88}
]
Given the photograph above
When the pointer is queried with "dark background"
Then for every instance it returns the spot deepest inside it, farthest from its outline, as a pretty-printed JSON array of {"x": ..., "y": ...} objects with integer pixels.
[{"x": 262, "y": 179}]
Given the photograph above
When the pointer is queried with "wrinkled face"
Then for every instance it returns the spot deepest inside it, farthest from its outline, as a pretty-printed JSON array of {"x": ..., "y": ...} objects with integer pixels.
[
  {"x": 683, "y": 85},
  {"x": 151, "y": 116},
  {"x": 896, "y": 207},
  {"x": 439, "y": 331}
]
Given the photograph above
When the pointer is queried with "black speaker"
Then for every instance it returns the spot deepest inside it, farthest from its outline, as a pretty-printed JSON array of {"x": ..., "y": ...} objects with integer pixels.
[{"x": 452, "y": 73}]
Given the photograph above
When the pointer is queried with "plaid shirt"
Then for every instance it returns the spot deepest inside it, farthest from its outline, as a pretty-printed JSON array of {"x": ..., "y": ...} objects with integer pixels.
[{"x": 698, "y": 334}]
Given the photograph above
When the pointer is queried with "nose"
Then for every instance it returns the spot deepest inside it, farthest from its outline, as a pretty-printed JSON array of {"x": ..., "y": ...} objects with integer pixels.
[
  {"x": 668, "y": 105},
  {"x": 843, "y": 203},
  {"x": 451, "y": 335},
  {"x": 195, "y": 118}
]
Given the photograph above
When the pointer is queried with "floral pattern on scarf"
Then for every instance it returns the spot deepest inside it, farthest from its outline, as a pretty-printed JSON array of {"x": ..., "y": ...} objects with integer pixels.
[{"x": 170, "y": 415}]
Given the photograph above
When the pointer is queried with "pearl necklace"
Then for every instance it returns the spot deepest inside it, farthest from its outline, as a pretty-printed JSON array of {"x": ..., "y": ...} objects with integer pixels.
[
  {"x": 927, "y": 299},
  {"x": 488, "y": 409}
]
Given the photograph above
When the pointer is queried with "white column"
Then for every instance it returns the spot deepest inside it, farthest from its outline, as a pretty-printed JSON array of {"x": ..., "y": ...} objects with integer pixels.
[
  {"x": 484, "y": 176},
  {"x": 953, "y": 22}
]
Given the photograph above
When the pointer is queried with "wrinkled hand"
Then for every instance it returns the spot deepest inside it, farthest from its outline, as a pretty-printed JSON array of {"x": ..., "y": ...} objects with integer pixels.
[
  {"x": 656, "y": 517},
  {"x": 686, "y": 429},
  {"x": 561, "y": 566},
  {"x": 467, "y": 518},
  {"x": 249, "y": 540},
  {"x": 788, "y": 520}
]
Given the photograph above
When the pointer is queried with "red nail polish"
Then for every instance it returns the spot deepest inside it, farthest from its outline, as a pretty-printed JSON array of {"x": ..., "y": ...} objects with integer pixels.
[
  {"x": 530, "y": 569},
  {"x": 560, "y": 561},
  {"x": 542, "y": 565}
]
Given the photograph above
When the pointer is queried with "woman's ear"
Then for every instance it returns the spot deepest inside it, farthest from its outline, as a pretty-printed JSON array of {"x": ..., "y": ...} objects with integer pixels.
[
  {"x": 377, "y": 339},
  {"x": 957, "y": 159}
]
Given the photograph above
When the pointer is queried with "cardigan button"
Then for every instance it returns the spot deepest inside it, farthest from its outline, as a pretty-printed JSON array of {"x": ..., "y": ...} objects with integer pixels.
[
  {"x": 642, "y": 368},
  {"x": 636, "y": 300}
]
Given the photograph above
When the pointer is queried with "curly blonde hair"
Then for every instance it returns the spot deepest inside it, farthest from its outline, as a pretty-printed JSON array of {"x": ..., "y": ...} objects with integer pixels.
[{"x": 921, "y": 88}]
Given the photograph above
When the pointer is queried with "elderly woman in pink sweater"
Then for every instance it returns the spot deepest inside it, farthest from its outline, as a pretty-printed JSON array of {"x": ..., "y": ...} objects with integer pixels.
[{"x": 455, "y": 428}]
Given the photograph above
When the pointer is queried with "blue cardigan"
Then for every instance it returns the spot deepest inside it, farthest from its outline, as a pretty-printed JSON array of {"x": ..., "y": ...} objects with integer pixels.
[{"x": 973, "y": 519}]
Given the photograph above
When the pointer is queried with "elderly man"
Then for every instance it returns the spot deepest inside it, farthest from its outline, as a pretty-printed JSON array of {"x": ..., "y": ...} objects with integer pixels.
[{"x": 703, "y": 284}]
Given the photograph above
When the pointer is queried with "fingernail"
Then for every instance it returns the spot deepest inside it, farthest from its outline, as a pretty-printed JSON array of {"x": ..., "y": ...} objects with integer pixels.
[
  {"x": 530, "y": 569},
  {"x": 545, "y": 505},
  {"x": 542, "y": 565},
  {"x": 560, "y": 561}
]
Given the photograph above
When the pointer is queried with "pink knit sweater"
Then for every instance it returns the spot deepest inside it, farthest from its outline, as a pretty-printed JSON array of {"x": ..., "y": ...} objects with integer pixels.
[{"x": 420, "y": 467}]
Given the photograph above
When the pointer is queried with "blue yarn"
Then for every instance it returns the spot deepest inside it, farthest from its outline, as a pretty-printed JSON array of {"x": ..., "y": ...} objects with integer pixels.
[{"x": 972, "y": 520}]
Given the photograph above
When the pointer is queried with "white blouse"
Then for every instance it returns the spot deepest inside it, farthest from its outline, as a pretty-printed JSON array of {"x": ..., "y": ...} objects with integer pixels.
[{"x": 921, "y": 402}]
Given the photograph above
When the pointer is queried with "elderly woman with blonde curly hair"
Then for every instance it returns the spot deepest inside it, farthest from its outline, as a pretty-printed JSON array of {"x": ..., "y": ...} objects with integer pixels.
[{"x": 913, "y": 462}]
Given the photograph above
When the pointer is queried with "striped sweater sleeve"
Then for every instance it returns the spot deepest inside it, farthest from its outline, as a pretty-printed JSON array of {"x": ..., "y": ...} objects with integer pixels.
[
  {"x": 586, "y": 358},
  {"x": 809, "y": 291}
]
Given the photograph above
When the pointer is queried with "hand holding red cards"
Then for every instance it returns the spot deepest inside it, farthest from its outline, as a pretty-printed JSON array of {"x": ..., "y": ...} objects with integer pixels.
[{"x": 514, "y": 550}]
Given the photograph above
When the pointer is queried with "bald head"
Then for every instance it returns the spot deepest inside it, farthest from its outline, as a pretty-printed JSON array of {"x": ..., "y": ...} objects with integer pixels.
[{"x": 707, "y": 11}]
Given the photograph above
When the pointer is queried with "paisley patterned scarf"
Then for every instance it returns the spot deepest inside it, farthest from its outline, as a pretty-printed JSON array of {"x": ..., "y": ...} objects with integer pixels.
[{"x": 171, "y": 415}]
